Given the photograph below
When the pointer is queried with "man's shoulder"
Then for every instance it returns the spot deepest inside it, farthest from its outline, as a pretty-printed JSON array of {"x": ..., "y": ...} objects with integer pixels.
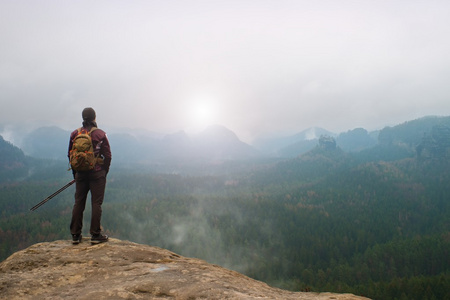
[
  {"x": 98, "y": 132},
  {"x": 74, "y": 133}
]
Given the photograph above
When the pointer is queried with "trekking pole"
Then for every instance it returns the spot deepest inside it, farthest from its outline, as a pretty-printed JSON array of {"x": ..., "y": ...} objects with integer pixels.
[{"x": 52, "y": 195}]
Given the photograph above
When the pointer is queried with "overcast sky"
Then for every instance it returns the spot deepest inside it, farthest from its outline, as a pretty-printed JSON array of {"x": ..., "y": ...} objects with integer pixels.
[{"x": 256, "y": 67}]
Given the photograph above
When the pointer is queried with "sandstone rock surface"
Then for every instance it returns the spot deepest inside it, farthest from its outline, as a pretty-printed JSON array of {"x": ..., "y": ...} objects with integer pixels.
[{"x": 125, "y": 270}]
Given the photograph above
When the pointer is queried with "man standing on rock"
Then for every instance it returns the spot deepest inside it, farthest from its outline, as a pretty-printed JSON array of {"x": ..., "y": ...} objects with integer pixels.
[{"x": 92, "y": 179}]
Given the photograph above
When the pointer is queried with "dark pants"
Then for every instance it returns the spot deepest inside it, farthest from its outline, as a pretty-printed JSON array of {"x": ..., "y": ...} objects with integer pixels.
[{"x": 85, "y": 182}]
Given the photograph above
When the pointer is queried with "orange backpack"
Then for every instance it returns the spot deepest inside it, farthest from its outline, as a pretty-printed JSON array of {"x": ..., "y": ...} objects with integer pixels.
[{"x": 81, "y": 156}]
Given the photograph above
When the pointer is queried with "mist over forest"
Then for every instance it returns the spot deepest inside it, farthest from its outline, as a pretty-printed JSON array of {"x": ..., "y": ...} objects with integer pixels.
[
  {"x": 328, "y": 170},
  {"x": 365, "y": 212}
]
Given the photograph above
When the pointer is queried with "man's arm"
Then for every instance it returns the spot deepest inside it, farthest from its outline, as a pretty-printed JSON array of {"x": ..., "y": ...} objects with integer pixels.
[{"x": 105, "y": 152}]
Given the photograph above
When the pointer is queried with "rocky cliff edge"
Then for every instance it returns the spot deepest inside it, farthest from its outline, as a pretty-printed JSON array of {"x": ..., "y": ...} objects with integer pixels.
[{"x": 125, "y": 270}]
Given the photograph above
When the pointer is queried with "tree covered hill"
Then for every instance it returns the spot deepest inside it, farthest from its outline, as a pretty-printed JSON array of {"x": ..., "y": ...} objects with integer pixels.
[
  {"x": 401, "y": 139},
  {"x": 411, "y": 133},
  {"x": 13, "y": 163}
]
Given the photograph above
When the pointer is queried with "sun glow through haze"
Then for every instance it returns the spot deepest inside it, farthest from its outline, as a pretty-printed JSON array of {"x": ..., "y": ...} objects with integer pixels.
[
  {"x": 259, "y": 68},
  {"x": 202, "y": 113}
]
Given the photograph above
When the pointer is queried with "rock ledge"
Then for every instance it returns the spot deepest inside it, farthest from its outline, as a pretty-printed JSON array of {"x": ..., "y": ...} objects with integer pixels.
[{"x": 125, "y": 270}]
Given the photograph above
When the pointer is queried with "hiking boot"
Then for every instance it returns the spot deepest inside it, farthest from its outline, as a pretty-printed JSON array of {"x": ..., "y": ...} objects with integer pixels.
[
  {"x": 76, "y": 239},
  {"x": 99, "y": 238}
]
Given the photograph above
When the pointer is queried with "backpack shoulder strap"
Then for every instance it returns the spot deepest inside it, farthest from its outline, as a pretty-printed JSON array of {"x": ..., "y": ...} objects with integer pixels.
[{"x": 92, "y": 130}]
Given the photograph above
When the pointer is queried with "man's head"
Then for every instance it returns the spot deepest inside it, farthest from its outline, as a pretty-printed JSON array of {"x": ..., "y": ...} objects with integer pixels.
[{"x": 88, "y": 114}]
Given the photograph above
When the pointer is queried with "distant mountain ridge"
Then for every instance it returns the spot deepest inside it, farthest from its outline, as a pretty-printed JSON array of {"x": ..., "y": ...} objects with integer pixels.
[
  {"x": 217, "y": 143},
  {"x": 47, "y": 142},
  {"x": 214, "y": 144},
  {"x": 284, "y": 146}
]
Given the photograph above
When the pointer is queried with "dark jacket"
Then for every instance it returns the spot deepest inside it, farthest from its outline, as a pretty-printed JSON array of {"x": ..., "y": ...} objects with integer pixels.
[{"x": 101, "y": 147}]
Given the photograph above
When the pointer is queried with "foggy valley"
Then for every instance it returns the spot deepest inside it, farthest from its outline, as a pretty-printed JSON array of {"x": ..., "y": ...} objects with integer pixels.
[{"x": 335, "y": 212}]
